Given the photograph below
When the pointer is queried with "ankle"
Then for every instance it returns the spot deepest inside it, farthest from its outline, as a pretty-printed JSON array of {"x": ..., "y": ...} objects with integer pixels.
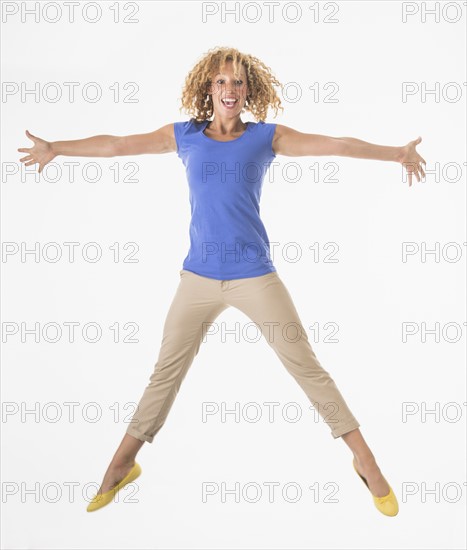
[
  {"x": 366, "y": 459},
  {"x": 122, "y": 462}
]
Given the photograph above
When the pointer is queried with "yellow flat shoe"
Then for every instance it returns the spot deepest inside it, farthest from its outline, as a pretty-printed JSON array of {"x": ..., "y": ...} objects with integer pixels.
[
  {"x": 100, "y": 500},
  {"x": 388, "y": 504}
]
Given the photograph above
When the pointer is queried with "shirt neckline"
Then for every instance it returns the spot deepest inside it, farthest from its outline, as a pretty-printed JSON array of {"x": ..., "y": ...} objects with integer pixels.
[{"x": 205, "y": 123}]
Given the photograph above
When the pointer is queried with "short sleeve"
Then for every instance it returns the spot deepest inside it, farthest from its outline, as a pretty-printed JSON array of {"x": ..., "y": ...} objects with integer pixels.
[
  {"x": 269, "y": 129},
  {"x": 272, "y": 131},
  {"x": 180, "y": 130}
]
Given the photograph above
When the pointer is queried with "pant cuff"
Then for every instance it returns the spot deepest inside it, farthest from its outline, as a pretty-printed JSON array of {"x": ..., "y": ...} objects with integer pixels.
[
  {"x": 347, "y": 427},
  {"x": 142, "y": 437}
]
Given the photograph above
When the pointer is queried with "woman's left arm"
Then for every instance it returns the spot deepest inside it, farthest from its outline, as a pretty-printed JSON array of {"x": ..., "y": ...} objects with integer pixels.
[{"x": 290, "y": 142}]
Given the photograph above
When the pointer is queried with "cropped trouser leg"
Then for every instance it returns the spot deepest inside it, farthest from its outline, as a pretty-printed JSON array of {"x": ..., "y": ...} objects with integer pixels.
[
  {"x": 193, "y": 307},
  {"x": 265, "y": 300}
]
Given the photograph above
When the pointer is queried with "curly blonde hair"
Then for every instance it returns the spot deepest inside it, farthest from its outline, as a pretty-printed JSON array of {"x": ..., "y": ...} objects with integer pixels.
[{"x": 198, "y": 103}]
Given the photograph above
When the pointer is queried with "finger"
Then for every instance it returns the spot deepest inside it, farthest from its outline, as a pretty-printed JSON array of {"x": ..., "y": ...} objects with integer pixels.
[
  {"x": 28, "y": 133},
  {"x": 27, "y": 157},
  {"x": 422, "y": 171},
  {"x": 417, "y": 175},
  {"x": 24, "y": 149},
  {"x": 30, "y": 162}
]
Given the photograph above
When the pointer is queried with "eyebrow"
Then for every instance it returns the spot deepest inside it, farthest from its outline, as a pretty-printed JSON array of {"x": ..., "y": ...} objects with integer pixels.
[{"x": 223, "y": 75}]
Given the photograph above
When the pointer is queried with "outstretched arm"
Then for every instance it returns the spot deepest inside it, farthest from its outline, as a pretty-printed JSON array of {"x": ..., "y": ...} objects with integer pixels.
[
  {"x": 42, "y": 152},
  {"x": 291, "y": 143}
]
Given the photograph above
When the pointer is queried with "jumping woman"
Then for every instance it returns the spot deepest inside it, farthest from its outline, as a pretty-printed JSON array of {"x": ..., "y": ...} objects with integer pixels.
[{"x": 229, "y": 263}]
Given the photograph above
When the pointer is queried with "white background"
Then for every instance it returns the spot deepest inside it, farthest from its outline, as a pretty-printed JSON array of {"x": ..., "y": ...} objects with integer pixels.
[{"x": 369, "y": 293}]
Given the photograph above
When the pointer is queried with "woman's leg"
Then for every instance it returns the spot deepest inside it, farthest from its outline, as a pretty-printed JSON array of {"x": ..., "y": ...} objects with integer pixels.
[
  {"x": 121, "y": 463},
  {"x": 267, "y": 302},
  {"x": 366, "y": 463},
  {"x": 197, "y": 302}
]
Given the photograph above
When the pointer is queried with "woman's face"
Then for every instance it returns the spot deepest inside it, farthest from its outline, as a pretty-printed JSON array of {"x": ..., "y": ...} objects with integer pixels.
[{"x": 229, "y": 93}]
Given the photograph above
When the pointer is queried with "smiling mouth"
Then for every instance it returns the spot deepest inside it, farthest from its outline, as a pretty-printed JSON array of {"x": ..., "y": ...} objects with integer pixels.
[{"x": 229, "y": 102}]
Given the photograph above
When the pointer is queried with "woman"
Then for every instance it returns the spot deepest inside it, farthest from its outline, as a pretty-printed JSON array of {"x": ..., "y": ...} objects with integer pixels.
[{"x": 229, "y": 263}]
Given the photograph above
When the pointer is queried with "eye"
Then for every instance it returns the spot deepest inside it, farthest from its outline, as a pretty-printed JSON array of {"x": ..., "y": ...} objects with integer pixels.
[{"x": 221, "y": 80}]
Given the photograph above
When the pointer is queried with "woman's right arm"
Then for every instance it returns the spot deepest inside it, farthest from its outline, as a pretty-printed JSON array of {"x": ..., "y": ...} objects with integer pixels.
[{"x": 161, "y": 140}]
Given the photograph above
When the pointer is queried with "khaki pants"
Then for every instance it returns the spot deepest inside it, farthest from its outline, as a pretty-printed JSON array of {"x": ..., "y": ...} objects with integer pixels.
[{"x": 265, "y": 300}]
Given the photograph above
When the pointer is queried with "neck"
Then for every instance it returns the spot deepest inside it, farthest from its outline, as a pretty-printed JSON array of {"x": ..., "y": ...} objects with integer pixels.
[{"x": 227, "y": 126}]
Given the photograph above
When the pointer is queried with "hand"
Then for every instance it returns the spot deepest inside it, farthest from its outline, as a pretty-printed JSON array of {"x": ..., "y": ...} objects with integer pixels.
[
  {"x": 41, "y": 152},
  {"x": 412, "y": 160}
]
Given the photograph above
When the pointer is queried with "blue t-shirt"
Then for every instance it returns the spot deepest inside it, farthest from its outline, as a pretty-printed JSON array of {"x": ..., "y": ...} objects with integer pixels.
[{"x": 227, "y": 237}]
